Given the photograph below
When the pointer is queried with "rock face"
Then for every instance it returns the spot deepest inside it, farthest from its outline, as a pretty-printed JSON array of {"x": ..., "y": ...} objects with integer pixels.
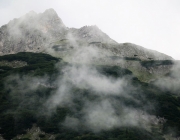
[
  {"x": 45, "y": 31},
  {"x": 31, "y": 32},
  {"x": 91, "y": 34},
  {"x": 132, "y": 50}
]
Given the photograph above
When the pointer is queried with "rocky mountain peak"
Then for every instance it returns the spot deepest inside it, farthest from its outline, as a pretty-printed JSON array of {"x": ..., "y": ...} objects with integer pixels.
[
  {"x": 50, "y": 15},
  {"x": 31, "y": 32},
  {"x": 31, "y": 13},
  {"x": 32, "y": 20},
  {"x": 91, "y": 34},
  {"x": 40, "y": 32},
  {"x": 50, "y": 12}
]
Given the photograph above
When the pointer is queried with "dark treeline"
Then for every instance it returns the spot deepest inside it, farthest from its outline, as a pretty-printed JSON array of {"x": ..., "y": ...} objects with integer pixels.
[{"x": 18, "y": 113}]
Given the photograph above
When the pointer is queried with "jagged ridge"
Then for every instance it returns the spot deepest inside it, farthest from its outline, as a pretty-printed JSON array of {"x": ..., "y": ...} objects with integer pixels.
[{"x": 35, "y": 33}]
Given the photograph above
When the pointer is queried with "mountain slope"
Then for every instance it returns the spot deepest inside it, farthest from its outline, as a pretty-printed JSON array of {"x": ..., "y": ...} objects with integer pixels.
[
  {"x": 37, "y": 32},
  {"x": 73, "y": 101},
  {"x": 31, "y": 32},
  {"x": 45, "y": 32}
]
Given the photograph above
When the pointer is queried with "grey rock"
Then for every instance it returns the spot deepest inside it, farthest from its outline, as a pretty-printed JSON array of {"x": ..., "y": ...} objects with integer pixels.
[
  {"x": 31, "y": 32},
  {"x": 91, "y": 34},
  {"x": 45, "y": 32},
  {"x": 40, "y": 32}
]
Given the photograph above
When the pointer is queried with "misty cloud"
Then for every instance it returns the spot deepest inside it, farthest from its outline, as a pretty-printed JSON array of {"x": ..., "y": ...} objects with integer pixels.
[
  {"x": 172, "y": 81},
  {"x": 25, "y": 83},
  {"x": 106, "y": 114},
  {"x": 102, "y": 97},
  {"x": 104, "y": 111}
]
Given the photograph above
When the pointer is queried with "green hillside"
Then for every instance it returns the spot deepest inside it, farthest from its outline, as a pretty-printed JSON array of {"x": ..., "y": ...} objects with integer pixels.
[{"x": 26, "y": 93}]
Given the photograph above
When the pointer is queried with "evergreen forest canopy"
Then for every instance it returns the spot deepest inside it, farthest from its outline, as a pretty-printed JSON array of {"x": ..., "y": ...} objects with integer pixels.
[{"x": 69, "y": 102}]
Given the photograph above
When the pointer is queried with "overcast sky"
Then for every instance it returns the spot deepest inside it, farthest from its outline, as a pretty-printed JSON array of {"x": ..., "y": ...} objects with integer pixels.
[{"x": 153, "y": 24}]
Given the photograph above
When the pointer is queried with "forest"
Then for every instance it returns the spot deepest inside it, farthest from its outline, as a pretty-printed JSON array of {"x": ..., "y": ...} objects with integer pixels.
[{"x": 23, "y": 105}]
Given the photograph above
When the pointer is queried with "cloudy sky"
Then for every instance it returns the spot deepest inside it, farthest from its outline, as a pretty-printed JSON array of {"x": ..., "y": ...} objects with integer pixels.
[{"x": 153, "y": 24}]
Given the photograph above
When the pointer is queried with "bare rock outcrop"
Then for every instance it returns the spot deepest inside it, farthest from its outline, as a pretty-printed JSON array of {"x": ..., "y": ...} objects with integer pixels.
[
  {"x": 31, "y": 32},
  {"x": 40, "y": 32}
]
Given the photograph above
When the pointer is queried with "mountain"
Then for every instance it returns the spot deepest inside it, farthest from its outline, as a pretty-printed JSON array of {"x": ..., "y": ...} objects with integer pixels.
[
  {"x": 31, "y": 32},
  {"x": 43, "y": 97},
  {"x": 79, "y": 84},
  {"x": 45, "y": 32},
  {"x": 36, "y": 32}
]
